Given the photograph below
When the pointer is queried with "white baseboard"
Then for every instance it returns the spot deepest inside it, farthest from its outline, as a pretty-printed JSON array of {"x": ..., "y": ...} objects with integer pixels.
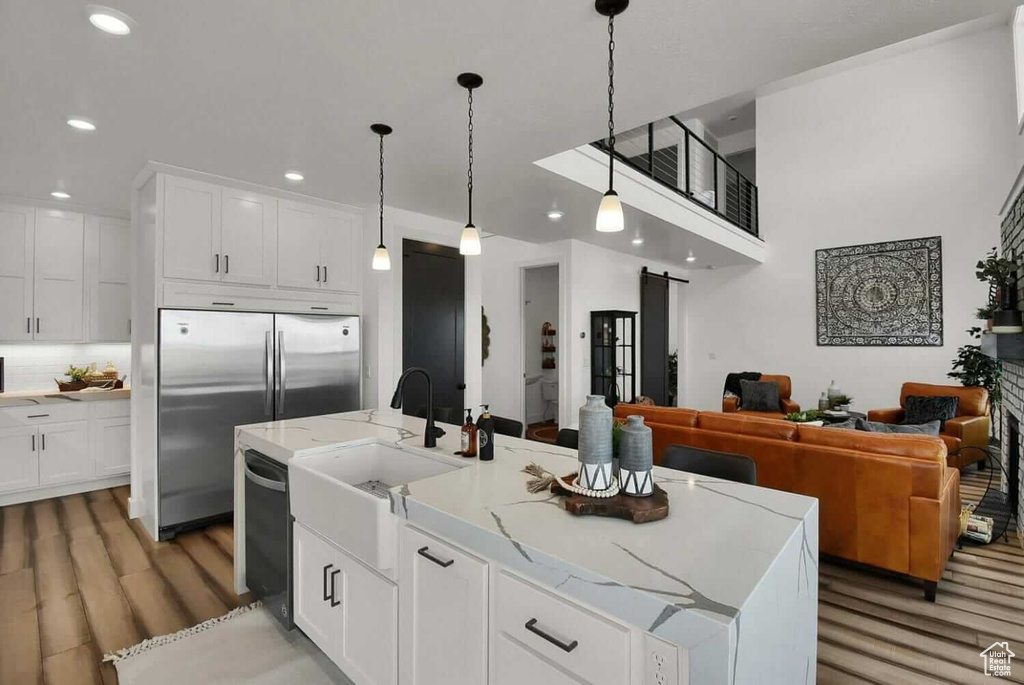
[
  {"x": 136, "y": 505},
  {"x": 37, "y": 494}
]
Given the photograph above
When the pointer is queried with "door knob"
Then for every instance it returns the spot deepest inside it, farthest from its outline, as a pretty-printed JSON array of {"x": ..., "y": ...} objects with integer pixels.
[{"x": 460, "y": 386}]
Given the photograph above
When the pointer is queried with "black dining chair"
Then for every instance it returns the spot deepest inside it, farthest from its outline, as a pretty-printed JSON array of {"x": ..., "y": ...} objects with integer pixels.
[
  {"x": 568, "y": 437},
  {"x": 510, "y": 427},
  {"x": 441, "y": 414},
  {"x": 734, "y": 467}
]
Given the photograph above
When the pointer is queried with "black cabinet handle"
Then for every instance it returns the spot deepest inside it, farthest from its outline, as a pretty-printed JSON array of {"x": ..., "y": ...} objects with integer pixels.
[
  {"x": 28, "y": 324},
  {"x": 325, "y": 274},
  {"x": 227, "y": 264},
  {"x": 334, "y": 574},
  {"x": 216, "y": 263},
  {"x": 328, "y": 596},
  {"x": 33, "y": 442},
  {"x": 37, "y": 416},
  {"x": 425, "y": 553},
  {"x": 317, "y": 273},
  {"x": 37, "y": 324},
  {"x": 531, "y": 625},
  {"x": 42, "y": 437}
]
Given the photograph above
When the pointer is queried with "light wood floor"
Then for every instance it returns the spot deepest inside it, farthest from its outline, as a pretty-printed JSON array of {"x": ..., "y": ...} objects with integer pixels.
[{"x": 77, "y": 579}]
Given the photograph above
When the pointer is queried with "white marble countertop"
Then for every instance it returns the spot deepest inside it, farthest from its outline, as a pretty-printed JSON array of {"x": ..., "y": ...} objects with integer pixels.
[
  {"x": 685, "y": 578},
  {"x": 40, "y": 397}
]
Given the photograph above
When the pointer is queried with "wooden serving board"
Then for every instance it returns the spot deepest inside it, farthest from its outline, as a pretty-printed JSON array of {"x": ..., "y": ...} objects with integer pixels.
[{"x": 635, "y": 509}]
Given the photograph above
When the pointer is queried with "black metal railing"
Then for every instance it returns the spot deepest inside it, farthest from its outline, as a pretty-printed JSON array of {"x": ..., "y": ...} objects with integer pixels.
[{"x": 673, "y": 155}]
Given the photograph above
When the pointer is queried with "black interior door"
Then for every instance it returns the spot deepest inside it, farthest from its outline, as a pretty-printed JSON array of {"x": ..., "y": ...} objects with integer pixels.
[
  {"x": 434, "y": 325},
  {"x": 654, "y": 338}
]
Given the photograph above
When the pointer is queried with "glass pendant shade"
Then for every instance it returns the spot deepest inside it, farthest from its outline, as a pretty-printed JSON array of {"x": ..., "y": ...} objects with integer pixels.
[
  {"x": 469, "y": 243},
  {"x": 609, "y": 215},
  {"x": 381, "y": 259}
]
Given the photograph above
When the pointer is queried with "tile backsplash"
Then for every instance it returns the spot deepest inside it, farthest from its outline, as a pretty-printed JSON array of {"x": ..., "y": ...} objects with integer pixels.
[{"x": 33, "y": 367}]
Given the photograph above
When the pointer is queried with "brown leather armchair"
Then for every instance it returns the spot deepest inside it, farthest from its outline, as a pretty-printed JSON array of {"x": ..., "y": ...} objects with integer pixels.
[
  {"x": 786, "y": 405},
  {"x": 969, "y": 429}
]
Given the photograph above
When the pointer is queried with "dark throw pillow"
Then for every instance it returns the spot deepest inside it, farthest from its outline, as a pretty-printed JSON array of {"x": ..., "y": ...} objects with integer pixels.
[
  {"x": 929, "y": 428},
  {"x": 927, "y": 409},
  {"x": 759, "y": 395}
]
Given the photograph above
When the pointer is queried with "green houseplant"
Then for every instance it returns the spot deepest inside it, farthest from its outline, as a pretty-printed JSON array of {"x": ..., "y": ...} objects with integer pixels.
[
  {"x": 1001, "y": 275},
  {"x": 974, "y": 368}
]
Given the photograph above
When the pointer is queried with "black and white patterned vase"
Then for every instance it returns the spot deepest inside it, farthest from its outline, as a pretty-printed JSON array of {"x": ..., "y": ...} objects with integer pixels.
[
  {"x": 595, "y": 447},
  {"x": 636, "y": 458}
]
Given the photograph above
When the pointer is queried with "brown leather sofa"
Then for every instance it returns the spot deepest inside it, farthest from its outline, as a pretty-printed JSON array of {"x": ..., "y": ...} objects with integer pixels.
[
  {"x": 970, "y": 428},
  {"x": 786, "y": 405},
  {"x": 885, "y": 500}
]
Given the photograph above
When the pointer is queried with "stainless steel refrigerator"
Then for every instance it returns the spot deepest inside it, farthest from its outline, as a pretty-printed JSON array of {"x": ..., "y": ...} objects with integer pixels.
[{"x": 218, "y": 370}]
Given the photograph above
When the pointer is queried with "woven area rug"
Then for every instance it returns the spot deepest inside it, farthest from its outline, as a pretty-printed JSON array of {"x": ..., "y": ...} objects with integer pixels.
[
  {"x": 244, "y": 646},
  {"x": 542, "y": 432}
]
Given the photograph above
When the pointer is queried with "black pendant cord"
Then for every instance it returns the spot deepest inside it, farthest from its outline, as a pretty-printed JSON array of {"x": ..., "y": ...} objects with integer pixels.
[
  {"x": 611, "y": 100},
  {"x": 381, "y": 191},
  {"x": 469, "y": 174}
]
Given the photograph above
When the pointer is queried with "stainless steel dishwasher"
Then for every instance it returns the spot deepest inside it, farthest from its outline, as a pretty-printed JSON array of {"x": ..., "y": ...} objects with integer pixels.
[{"x": 268, "y": 535}]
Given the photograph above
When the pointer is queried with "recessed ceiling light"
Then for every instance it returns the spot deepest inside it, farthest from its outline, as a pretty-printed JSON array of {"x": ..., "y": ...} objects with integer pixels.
[
  {"x": 81, "y": 124},
  {"x": 60, "y": 195},
  {"x": 690, "y": 257},
  {"x": 294, "y": 176},
  {"x": 638, "y": 241},
  {"x": 109, "y": 20},
  {"x": 555, "y": 214}
]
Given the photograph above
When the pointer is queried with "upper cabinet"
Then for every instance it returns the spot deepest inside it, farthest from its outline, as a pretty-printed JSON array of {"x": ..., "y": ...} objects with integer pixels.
[
  {"x": 59, "y": 276},
  {"x": 16, "y": 262},
  {"x": 191, "y": 230},
  {"x": 248, "y": 228},
  {"x": 318, "y": 248},
  {"x": 108, "y": 246}
]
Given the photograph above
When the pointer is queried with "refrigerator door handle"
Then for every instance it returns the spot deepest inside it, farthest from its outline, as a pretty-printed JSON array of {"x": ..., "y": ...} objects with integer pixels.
[
  {"x": 268, "y": 404},
  {"x": 280, "y": 374}
]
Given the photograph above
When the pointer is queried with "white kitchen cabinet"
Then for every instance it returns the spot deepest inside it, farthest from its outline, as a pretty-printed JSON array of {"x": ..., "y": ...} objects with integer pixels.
[
  {"x": 248, "y": 228},
  {"x": 59, "y": 263},
  {"x": 444, "y": 612},
  {"x": 19, "y": 458},
  {"x": 108, "y": 243},
  {"x": 517, "y": 665},
  {"x": 16, "y": 279},
  {"x": 192, "y": 219},
  {"x": 369, "y": 646},
  {"x": 317, "y": 248},
  {"x": 64, "y": 454},
  {"x": 109, "y": 440},
  {"x": 317, "y": 590}
]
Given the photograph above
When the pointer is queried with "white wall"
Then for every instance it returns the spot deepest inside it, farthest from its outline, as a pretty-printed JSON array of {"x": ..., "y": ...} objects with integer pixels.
[
  {"x": 917, "y": 145},
  {"x": 382, "y": 304}
]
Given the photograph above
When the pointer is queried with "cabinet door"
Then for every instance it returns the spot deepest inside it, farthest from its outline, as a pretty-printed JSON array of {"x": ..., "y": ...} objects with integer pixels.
[
  {"x": 317, "y": 586},
  {"x": 369, "y": 638},
  {"x": 19, "y": 460},
  {"x": 517, "y": 665},
  {"x": 298, "y": 246},
  {"x": 339, "y": 251},
  {"x": 16, "y": 237},
  {"x": 110, "y": 246},
  {"x": 109, "y": 441},
  {"x": 247, "y": 232},
  {"x": 64, "y": 453},
  {"x": 444, "y": 612},
  {"x": 191, "y": 230},
  {"x": 59, "y": 276}
]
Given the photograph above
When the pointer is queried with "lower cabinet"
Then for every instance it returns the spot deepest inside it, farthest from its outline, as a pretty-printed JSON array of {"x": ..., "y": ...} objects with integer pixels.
[
  {"x": 349, "y": 611},
  {"x": 61, "y": 450},
  {"x": 444, "y": 612},
  {"x": 516, "y": 665},
  {"x": 110, "y": 445},
  {"x": 19, "y": 460}
]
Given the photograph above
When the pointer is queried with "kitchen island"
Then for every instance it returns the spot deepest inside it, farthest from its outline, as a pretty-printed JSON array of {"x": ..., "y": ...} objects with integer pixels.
[{"x": 730, "y": 577}]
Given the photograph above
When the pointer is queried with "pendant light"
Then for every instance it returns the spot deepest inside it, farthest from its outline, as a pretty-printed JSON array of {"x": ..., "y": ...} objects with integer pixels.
[
  {"x": 609, "y": 214},
  {"x": 381, "y": 258},
  {"x": 469, "y": 243}
]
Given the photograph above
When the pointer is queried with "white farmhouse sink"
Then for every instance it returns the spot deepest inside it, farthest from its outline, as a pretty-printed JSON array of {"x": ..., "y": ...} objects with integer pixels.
[{"x": 334, "y": 494}]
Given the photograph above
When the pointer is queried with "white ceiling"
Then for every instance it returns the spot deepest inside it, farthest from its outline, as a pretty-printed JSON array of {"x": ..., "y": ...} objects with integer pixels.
[{"x": 251, "y": 88}]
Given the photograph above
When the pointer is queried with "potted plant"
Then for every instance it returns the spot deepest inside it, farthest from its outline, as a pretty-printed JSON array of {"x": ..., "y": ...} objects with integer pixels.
[
  {"x": 77, "y": 376},
  {"x": 985, "y": 314},
  {"x": 842, "y": 402},
  {"x": 1001, "y": 275},
  {"x": 973, "y": 368}
]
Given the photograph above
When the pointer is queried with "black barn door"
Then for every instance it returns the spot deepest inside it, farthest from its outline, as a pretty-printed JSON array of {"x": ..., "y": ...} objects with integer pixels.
[
  {"x": 654, "y": 338},
  {"x": 433, "y": 325}
]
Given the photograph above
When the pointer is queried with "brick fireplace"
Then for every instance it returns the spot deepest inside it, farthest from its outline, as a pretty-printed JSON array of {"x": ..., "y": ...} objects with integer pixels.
[{"x": 1013, "y": 374}]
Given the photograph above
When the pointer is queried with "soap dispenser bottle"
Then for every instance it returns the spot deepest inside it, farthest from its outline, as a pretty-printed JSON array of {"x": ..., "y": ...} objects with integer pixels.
[
  {"x": 469, "y": 432},
  {"x": 485, "y": 434}
]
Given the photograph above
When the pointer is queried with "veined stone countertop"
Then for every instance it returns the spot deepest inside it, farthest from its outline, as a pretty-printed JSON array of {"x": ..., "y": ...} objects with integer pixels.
[
  {"x": 22, "y": 398},
  {"x": 731, "y": 574}
]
